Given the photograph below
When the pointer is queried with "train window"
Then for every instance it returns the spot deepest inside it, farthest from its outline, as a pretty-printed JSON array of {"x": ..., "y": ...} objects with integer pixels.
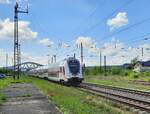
[{"x": 74, "y": 66}]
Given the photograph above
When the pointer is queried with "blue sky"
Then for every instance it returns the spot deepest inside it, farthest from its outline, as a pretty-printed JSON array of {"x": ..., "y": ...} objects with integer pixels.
[{"x": 64, "y": 21}]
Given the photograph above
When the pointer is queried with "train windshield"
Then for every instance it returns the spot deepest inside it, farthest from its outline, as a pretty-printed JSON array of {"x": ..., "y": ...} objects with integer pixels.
[{"x": 74, "y": 66}]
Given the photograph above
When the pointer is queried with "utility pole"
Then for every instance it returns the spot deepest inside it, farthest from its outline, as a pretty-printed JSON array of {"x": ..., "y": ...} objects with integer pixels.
[
  {"x": 105, "y": 65},
  {"x": 16, "y": 42},
  {"x": 82, "y": 58},
  {"x": 6, "y": 63},
  {"x": 100, "y": 60},
  {"x": 19, "y": 55},
  {"x": 54, "y": 58},
  {"x": 49, "y": 56},
  {"x": 81, "y": 54},
  {"x": 48, "y": 60},
  {"x": 142, "y": 51}
]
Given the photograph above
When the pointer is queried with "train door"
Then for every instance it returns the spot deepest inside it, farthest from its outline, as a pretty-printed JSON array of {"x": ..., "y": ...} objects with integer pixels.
[{"x": 62, "y": 73}]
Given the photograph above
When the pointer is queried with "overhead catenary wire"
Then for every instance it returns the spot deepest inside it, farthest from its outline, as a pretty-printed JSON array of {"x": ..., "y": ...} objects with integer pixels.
[
  {"x": 125, "y": 4},
  {"x": 137, "y": 39},
  {"x": 88, "y": 18},
  {"x": 39, "y": 25},
  {"x": 104, "y": 19},
  {"x": 142, "y": 38},
  {"x": 126, "y": 28},
  {"x": 101, "y": 4}
]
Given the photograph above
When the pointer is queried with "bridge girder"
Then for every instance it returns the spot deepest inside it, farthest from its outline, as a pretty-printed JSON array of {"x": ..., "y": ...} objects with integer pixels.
[{"x": 27, "y": 66}]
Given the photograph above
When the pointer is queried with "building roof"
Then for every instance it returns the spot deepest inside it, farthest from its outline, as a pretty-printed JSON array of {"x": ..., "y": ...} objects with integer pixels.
[{"x": 145, "y": 63}]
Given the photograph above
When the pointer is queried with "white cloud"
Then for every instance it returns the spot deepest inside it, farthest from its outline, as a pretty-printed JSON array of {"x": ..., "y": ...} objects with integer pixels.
[
  {"x": 27, "y": 57},
  {"x": 109, "y": 48},
  {"x": 46, "y": 42},
  {"x": 112, "y": 48},
  {"x": 94, "y": 50},
  {"x": 25, "y": 32},
  {"x": 117, "y": 53},
  {"x": 120, "y": 20},
  {"x": 5, "y": 1},
  {"x": 125, "y": 56},
  {"x": 134, "y": 52},
  {"x": 64, "y": 45},
  {"x": 87, "y": 42}
]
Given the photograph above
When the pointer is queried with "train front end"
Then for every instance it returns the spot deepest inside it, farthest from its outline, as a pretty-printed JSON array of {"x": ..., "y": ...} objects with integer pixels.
[{"x": 75, "y": 71}]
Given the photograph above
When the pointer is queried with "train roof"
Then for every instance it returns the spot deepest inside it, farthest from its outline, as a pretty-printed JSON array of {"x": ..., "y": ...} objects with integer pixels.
[
  {"x": 62, "y": 62},
  {"x": 57, "y": 64}
]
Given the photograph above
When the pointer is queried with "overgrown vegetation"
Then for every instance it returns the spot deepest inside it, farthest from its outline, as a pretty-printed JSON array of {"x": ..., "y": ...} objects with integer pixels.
[
  {"x": 134, "y": 61},
  {"x": 5, "y": 71},
  {"x": 113, "y": 71},
  {"x": 116, "y": 70},
  {"x": 116, "y": 76},
  {"x": 70, "y": 100}
]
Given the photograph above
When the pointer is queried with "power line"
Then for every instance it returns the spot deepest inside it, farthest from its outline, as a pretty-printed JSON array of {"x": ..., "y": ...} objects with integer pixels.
[
  {"x": 127, "y": 28},
  {"x": 92, "y": 13},
  {"x": 101, "y": 4},
  {"x": 104, "y": 19},
  {"x": 72, "y": 51},
  {"x": 137, "y": 37},
  {"x": 136, "y": 40}
]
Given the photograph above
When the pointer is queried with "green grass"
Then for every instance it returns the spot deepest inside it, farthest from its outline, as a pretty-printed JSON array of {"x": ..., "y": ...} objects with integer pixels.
[
  {"x": 120, "y": 81},
  {"x": 74, "y": 101},
  {"x": 70, "y": 100},
  {"x": 2, "y": 98},
  {"x": 3, "y": 83}
]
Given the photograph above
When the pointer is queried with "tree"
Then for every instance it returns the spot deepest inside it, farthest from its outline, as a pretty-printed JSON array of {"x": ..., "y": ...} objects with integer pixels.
[{"x": 134, "y": 61}]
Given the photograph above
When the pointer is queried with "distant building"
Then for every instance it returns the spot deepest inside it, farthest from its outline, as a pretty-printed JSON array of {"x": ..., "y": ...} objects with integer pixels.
[{"x": 142, "y": 66}]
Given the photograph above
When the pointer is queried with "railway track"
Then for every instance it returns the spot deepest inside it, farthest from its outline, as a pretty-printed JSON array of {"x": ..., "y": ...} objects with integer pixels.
[
  {"x": 134, "y": 98},
  {"x": 142, "y": 82}
]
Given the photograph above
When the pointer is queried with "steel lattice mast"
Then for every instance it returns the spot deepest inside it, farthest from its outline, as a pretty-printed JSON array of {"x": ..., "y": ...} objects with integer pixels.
[{"x": 16, "y": 42}]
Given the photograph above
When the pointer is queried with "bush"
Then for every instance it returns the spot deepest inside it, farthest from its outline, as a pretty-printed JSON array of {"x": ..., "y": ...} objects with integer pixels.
[
  {"x": 116, "y": 71},
  {"x": 134, "y": 75},
  {"x": 126, "y": 73},
  {"x": 86, "y": 71},
  {"x": 4, "y": 71},
  {"x": 95, "y": 70},
  {"x": 146, "y": 74}
]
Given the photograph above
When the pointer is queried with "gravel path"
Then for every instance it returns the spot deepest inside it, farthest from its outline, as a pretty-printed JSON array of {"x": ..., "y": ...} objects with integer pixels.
[{"x": 24, "y": 98}]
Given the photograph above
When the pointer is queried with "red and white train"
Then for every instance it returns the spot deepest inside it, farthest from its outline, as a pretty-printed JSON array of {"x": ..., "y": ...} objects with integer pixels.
[{"x": 67, "y": 71}]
